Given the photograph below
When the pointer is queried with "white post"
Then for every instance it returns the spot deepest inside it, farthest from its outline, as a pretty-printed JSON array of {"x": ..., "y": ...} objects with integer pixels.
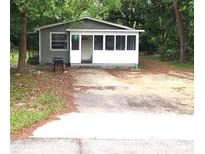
[
  {"x": 70, "y": 47},
  {"x": 93, "y": 46},
  {"x": 126, "y": 42},
  {"x": 80, "y": 47},
  {"x": 137, "y": 47}
]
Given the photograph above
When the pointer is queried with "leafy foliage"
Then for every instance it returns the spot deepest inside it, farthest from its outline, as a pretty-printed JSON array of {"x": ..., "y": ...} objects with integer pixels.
[{"x": 157, "y": 17}]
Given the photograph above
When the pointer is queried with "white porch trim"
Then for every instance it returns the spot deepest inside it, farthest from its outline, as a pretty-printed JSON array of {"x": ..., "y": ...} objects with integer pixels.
[
  {"x": 106, "y": 56},
  {"x": 104, "y": 30}
]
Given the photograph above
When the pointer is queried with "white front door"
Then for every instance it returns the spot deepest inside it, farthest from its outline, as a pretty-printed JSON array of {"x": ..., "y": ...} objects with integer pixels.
[{"x": 86, "y": 48}]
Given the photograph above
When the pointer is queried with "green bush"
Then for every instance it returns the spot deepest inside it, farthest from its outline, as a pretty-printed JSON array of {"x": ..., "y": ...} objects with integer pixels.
[
  {"x": 190, "y": 53},
  {"x": 168, "y": 54}
]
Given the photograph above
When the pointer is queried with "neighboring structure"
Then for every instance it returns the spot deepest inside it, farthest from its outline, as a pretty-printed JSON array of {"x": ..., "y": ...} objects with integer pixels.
[{"x": 89, "y": 42}]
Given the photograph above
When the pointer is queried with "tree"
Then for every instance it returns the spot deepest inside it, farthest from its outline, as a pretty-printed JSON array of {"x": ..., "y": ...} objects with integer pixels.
[
  {"x": 25, "y": 9},
  {"x": 181, "y": 31},
  {"x": 33, "y": 13},
  {"x": 130, "y": 13},
  {"x": 155, "y": 16}
]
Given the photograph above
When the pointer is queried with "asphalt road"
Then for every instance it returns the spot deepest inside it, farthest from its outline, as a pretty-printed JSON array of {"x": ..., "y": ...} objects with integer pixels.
[{"x": 93, "y": 146}]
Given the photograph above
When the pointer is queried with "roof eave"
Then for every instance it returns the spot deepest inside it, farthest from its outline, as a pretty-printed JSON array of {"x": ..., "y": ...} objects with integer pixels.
[
  {"x": 106, "y": 30},
  {"x": 89, "y": 18}
]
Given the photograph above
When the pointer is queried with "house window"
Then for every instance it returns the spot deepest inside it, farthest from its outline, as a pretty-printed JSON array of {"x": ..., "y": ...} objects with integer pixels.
[
  {"x": 98, "y": 42},
  {"x": 109, "y": 44},
  {"x": 75, "y": 42},
  {"x": 120, "y": 42},
  {"x": 131, "y": 42},
  {"x": 59, "y": 41}
]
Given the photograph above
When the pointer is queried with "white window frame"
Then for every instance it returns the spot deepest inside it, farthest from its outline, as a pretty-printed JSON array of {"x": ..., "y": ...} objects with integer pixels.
[
  {"x": 79, "y": 43},
  {"x": 51, "y": 49},
  {"x": 114, "y": 48},
  {"x": 135, "y": 42},
  {"x": 116, "y": 42},
  {"x": 94, "y": 42}
]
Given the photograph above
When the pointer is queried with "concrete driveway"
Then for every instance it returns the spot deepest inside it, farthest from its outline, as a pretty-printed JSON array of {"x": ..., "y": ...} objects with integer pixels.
[
  {"x": 108, "y": 107},
  {"x": 138, "y": 113},
  {"x": 100, "y": 91}
]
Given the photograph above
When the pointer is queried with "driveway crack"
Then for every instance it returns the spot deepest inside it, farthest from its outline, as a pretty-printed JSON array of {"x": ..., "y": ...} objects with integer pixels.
[{"x": 79, "y": 143}]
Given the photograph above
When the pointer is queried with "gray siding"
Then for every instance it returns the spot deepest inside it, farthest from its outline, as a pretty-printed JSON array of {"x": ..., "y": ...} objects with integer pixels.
[{"x": 47, "y": 55}]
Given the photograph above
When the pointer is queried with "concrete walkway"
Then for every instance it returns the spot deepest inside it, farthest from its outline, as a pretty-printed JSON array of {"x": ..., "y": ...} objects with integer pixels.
[
  {"x": 93, "y": 146},
  {"x": 118, "y": 126}
]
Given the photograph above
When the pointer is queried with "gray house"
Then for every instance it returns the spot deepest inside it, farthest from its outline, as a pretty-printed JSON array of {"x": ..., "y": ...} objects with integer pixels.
[{"x": 89, "y": 41}]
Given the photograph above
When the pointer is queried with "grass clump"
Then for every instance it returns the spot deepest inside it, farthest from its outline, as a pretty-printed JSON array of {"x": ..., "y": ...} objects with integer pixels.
[
  {"x": 183, "y": 65},
  {"x": 20, "y": 88},
  {"x": 14, "y": 58},
  {"x": 20, "y": 118},
  {"x": 44, "y": 105},
  {"x": 49, "y": 102}
]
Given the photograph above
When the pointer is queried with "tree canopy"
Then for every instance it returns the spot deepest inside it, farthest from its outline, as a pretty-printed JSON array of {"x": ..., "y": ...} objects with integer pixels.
[{"x": 169, "y": 24}]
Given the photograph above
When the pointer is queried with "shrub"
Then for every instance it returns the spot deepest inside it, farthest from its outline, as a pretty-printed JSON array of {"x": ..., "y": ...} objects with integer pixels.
[{"x": 168, "y": 54}]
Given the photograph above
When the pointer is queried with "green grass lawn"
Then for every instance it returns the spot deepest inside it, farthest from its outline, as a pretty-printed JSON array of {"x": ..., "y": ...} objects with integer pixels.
[
  {"x": 14, "y": 58},
  {"x": 176, "y": 64},
  {"x": 179, "y": 65},
  {"x": 21, "y": 118},
  {"x": 29, "y": 103},
  {"x": 14, "y": 55}
]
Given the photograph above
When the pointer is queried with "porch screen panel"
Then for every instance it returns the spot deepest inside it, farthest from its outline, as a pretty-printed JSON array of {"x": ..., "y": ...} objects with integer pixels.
[
  {"x": 120, "y": 42},
  {"x": 131, "y": 42},
  {"x": 98, "y": 42},
  {"x": 75, "y": 42},
  {"x": 109, "y": 42},
  {"x": 59, "y": 41}
]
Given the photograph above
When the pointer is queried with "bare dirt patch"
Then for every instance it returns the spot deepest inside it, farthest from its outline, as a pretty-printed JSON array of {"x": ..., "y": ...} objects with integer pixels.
[
  {"x": 162, "y": 85},
  {"x": 156, "y": 88}
]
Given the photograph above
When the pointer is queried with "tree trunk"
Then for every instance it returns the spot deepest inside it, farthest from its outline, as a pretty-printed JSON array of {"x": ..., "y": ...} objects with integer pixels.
[
  {"x": 181, "y": 32},
  {"x": 22, "y": 43}
]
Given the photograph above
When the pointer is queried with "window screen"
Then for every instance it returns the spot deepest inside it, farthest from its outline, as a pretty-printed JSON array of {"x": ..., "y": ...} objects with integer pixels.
[
  {"x": 98, "y": 42},
  {"x": 131, "y": 42},
  {"x": 120, "y": 42},
  {"x": 59, "y": 41},
  {"x": 75, "y": 42},
  {"x": 109, "y": 42}
]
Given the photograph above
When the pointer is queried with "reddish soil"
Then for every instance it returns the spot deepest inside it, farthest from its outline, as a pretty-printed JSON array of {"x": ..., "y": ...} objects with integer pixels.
[{"x": 153, "y": 67}]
